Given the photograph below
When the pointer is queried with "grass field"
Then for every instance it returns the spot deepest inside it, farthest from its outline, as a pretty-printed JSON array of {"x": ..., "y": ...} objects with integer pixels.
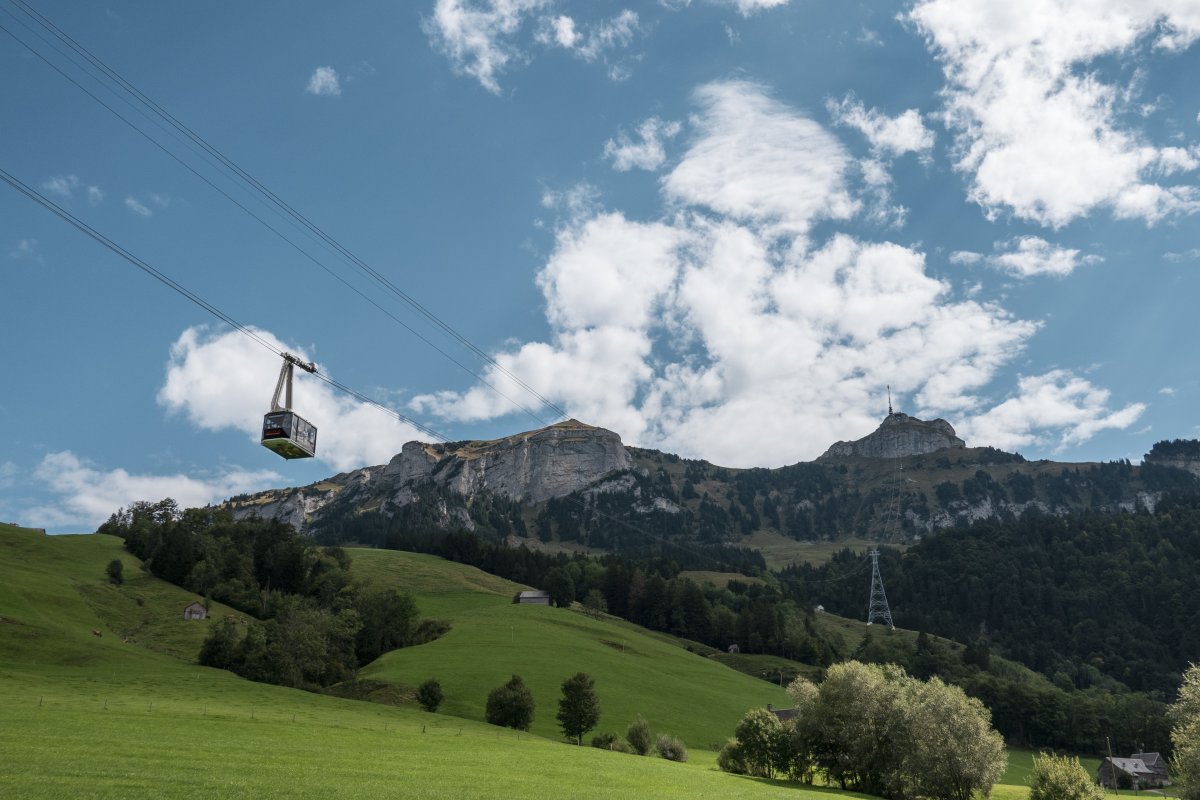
[
  {"x": 636, "y": 672},
  {"x": 779, "y": 551},
  {"x": 96, "y": 717},
  {"x": 126, "y": 715}
]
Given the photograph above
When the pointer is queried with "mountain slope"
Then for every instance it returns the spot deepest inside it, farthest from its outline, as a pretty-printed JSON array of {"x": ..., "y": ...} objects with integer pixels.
[{"x": 573, "y": 487}]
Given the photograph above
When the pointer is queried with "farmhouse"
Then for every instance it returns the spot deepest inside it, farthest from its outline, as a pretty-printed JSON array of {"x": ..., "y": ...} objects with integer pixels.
[
  {"x": 195, "y": 611},
  {"x": 1134, "y": 772},
  {"x": 535, "y": 597},
  {"x": 1157, "y": 765}
]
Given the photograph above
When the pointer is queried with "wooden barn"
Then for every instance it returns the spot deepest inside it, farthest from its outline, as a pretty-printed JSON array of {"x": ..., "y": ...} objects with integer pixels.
[{"x": 535, "y": 597}]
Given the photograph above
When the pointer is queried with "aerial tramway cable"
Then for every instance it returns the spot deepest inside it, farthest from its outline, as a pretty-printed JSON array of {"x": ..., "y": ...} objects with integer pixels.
[
  {"x": 516, "y": 404},
  {"x": 174, "y": 285},
  {"x": 283, "y": 208}
]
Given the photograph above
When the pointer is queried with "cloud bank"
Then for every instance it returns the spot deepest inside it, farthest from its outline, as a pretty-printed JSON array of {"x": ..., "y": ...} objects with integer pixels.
[
  {"x": 727, "y": 330},
  {"x": 1039, "y": 130},
  {"x": 88, "y": 495}
]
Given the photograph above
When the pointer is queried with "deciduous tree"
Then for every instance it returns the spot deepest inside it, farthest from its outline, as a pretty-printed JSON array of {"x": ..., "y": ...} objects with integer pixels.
[
  {"x": 1185, "y": 735},
  {"x": 511, "y": 705},
  {"x": 429, "y": 695},
  {"x": 579, "y": 708}
]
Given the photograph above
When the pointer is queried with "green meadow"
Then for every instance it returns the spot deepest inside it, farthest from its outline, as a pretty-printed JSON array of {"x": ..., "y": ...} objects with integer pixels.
[{"x": 128, "y": 714}]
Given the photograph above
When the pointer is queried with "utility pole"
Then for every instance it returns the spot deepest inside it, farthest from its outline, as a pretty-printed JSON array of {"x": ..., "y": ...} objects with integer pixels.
[{"x": 879, "y": 609}]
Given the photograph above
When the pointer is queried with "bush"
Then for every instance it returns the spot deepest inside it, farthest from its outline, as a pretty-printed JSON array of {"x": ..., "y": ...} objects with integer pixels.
[
  {"x": 638, "y": 735},
  {"x": 220, "y": 646},
  {"x": 115, "y": 571},
  {"x": 670, "y": 748},
  {"x": 731, "y": 758},
  {"x": 1061, "y": 778},
  {"x": 760, "y": 740},
  {"x": 429, "y": 695},
  {"x": 610, "y": 741},
  {"x": 511, "y": 705}
]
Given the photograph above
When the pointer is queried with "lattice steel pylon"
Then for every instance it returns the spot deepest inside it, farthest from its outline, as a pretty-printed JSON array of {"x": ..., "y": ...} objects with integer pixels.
[{"x": 879, "y": 609}]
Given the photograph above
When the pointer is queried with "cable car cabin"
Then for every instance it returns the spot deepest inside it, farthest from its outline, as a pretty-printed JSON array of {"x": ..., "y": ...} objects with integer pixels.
[{"x": 289, "y": 434}]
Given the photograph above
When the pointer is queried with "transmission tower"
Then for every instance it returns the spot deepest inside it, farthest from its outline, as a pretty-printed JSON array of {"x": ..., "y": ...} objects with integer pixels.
[{"x": 879, "y": 605}]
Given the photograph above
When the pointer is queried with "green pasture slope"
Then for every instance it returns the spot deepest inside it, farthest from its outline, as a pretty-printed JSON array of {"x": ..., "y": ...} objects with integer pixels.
[
  {"x": 491, "y": 638},
  {"x": 83, "y": 716},
  {"x": 129, "y": 715}
]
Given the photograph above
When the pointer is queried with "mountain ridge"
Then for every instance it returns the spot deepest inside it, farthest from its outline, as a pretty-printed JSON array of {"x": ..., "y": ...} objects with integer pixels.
[{"x": 573, "y": 485}]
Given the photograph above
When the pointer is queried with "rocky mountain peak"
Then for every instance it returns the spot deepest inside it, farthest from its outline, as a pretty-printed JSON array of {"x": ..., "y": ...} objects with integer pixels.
[
  {"x": 535, "y": 465},
  {"x": 899, "y": 435}
]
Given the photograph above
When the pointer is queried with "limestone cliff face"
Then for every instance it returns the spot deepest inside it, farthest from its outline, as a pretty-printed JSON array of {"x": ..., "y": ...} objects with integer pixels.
[
  {"x": 900, "y": 435},
  {"x": 1184, "y": 462},
  {"x": 533, "y": 466},
  {"x": 530, "y": 467}
]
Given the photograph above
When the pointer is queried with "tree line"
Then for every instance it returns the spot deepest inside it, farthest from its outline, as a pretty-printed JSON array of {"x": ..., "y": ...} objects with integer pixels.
[
  {"x": 1086, "y": 599},
  {"x": 312, "y": 623},
  {"x": 648, "y": 590}
]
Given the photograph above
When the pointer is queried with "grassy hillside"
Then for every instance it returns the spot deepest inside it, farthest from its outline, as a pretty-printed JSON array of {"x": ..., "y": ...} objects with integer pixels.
[
  {"x": 88, "y": 716},
  {"x": 91, "y": 716},
  {"x": 684, "y": 693}
]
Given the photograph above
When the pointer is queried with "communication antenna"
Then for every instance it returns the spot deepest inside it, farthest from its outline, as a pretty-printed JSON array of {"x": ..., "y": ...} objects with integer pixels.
[
  {"x": 889, "y": 399},
  {"x": 879, "y": 605}
]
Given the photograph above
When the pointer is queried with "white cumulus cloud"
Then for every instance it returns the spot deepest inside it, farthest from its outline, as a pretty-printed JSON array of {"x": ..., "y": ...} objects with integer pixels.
[
  {"x": 720, "y": 331},
  {"x": 224, "y": 381},
  {"x": 87, "y": 495},
  {"x": 647, "y": 151},
  {"x": 1057, "y": 409},
  {"x": 888, "y": 136},
  {"x": 589, "y": 42},
  {"x": 61, "y": 185},
  {"x": 1026, "y": 256},
  {"x": 1037, "y": 127},
  {"x": 139, "y": 208},
  {"x": 479, "y": 37},
  {"x": 324, "y": 82},
  {"x": 748, "y": 7},
  {"x": 759, "y": 161}
]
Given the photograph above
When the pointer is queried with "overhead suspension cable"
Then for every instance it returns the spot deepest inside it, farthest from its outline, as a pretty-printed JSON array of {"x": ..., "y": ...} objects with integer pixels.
[
  {"x": 175, "y": 286},
  {"x": 258, "y": 218},
  {"x": 286, "y": 209}
]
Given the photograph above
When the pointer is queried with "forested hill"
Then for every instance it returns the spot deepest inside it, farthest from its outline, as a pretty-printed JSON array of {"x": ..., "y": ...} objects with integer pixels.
[
  {"x": 1078, "y": 598},
  {"x": 650, "y": 497}
]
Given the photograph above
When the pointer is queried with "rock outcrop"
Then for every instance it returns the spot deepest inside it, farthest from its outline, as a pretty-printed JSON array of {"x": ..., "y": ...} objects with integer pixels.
[
  {"x": 1181, "y": 454},
  {"x": 530, "y": 467},
  {"x": 900, "y": 435},
  {"x": 534, "y": 466}
]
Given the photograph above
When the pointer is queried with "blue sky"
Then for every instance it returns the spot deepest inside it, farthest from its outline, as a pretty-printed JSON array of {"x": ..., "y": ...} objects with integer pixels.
[{"x": 718, "y": 227}]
